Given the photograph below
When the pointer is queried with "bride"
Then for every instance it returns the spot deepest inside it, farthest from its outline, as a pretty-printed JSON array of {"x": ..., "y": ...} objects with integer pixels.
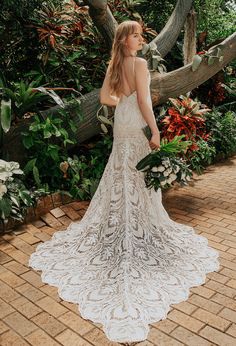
[{"x": 126, "y": 261}]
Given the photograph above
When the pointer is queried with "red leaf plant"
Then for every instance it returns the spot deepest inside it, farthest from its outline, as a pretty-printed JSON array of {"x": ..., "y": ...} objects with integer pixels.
[
  {"x": 185, "y": 118},
  {"x": 60, "y": 27}
]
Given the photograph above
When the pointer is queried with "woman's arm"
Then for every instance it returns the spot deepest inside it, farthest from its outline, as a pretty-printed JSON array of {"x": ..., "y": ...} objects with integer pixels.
[
  {"x": 142, "y": 89},
  {"x": 105, "y": 97}
]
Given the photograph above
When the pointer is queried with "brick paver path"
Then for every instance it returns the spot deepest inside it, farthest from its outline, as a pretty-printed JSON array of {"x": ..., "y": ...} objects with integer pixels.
[{"x": 31, "y": 313}]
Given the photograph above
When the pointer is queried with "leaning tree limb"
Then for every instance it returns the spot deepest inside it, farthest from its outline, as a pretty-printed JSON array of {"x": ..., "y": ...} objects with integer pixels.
[
  {"x": 182, "y": 80},
  {"x": 165, "y": 40}
]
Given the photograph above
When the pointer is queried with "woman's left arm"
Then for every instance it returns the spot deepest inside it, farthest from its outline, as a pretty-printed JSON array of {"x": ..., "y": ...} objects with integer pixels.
[{"x": 105, "y": 97}]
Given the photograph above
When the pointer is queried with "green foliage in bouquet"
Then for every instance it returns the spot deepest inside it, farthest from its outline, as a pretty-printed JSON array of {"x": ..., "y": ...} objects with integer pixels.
[{"x": 162, "y": 167}]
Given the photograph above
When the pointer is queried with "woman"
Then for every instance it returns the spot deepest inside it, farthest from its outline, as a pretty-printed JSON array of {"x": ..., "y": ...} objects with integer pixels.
[{"x": 126, "y": 261}]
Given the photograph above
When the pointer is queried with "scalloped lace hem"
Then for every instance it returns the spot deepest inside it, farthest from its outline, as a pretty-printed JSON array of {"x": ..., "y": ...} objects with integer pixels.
[{"x": 122, "y": 320}]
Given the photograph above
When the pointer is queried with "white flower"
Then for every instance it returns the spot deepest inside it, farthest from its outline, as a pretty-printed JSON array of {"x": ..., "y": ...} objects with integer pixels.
[
  {"x": 7, "y": 169},
  {"x": 166, "y": 162},
  {"x": 154, "y": 169},
  {"x": 188, "y": 178},
  {"x": 166, "y": 173},
  {"x": 173, "y": 176},
  {"x": 3, "y": 190},
  {"x": 5, "y": 175},
  {"x": 2, "y": 163},
  {"x": 160, "y": 169},
  {"x": 183, "y": 175},
  {"x": 163, "y": 183}
]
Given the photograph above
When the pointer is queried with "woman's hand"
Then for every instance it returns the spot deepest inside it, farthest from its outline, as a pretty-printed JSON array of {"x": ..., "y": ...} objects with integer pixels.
[{"x": 154, "y": 142}]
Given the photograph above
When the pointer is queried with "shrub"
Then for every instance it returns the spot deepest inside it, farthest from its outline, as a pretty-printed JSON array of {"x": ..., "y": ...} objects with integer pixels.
[
  {"x": 222, "y": 129},
  {"x": 185, "y": 118},
  {"x": 202, "y": 157}
]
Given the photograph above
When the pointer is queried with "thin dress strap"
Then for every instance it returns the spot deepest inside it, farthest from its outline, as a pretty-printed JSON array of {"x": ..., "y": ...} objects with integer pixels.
[{"x": 134, "y": 66}]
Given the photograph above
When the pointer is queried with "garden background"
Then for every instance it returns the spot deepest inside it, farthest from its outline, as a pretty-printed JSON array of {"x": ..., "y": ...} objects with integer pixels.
[{"x": 54, "y": 134}]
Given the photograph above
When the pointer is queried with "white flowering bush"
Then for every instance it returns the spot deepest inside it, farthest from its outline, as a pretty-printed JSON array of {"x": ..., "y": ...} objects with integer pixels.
[
  {"x": 163, "y": 167},
  {"x": 14, "y": 197}
]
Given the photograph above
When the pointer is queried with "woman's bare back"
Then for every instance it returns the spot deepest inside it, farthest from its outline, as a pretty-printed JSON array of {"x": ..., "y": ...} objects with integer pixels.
[{"x": 128, "y": 76}]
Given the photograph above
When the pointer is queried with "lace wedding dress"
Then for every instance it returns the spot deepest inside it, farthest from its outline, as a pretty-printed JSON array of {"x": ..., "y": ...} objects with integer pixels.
[{"x": 126, "y": 261}]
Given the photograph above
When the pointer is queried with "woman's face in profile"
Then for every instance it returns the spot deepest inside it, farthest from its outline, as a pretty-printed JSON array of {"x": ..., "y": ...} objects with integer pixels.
[{"x": 135, "y": 41}]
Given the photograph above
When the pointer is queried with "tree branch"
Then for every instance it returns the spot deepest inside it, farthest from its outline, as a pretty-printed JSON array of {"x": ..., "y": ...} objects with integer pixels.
[
  {"x": 182, "y": 80},
  {"x": 166, "y": 39}
]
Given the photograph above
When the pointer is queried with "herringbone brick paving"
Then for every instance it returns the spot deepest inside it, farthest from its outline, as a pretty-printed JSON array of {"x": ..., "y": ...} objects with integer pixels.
[{"x": 31, "y": 313}]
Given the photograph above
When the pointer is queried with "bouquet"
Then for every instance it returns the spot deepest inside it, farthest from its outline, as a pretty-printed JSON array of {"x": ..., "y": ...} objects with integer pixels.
[{"x": 162, "y": 166}]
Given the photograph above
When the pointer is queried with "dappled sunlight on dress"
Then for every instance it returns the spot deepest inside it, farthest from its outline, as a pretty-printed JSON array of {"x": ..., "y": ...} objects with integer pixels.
[{"x": 126, "y": 261}]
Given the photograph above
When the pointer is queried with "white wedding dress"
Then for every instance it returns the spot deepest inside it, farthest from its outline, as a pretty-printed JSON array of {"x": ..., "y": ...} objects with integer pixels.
[{"x": 126, "y": 261}]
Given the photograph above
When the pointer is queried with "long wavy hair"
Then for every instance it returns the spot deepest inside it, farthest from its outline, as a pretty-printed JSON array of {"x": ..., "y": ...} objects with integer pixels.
[{"x": 118, "y": 52}]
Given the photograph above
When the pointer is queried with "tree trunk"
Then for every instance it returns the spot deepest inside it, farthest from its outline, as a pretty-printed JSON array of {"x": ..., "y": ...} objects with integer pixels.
[
  {"x": 190, "y": 29},
  {"x": 102, "y": 17}
]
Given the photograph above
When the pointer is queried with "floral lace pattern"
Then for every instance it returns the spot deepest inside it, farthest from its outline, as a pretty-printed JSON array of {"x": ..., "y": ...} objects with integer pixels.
[{"x": 126, "y": 261}]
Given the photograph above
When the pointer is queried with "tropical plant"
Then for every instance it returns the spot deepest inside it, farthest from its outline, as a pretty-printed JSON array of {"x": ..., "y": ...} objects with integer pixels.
[
  {"x": 82, "y": 173},
  {"x": 14, "y": 197},
  {"x": 18, "y": 42},
  {"x": 70, "y": 49},
  {"x": 74, "y": 181},
  {"x": 202, "y": 157},
  {"x": 185, "y": 117},
  {"x": 224, "y": 14},
  {"x": 220, "y": 90},
  {"x": 22, "y": 100},
  {"x": 46, "y": 141},
  {"x": 222, "y": 128},
  {"x": 208, "y": 57},
  {"x": 62, "y": 26}
]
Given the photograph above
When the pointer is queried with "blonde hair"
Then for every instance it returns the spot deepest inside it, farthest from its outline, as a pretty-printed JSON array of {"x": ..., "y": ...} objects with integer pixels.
[{"x": 118, "y": 52}]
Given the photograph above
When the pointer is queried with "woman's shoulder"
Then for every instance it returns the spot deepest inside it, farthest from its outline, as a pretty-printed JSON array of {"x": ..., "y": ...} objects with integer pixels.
[
  {"x": 136, "y": 59},
  {"x": 141, "y": 62}
]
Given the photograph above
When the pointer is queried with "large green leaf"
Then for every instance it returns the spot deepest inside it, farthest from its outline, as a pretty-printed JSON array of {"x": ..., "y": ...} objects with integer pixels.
[
  {"x": 52, "y": 94},
  {"x": 211, "y": 60},
  {"x": 24, "y": 195},
  {"x": 196, "y": 62},
  {"x": 27, "y": 141},
  {"x": 6, "y": 115},
  {"x": 36, "y": 175},
  {"x": 5, "y": 208},
  {"x": 30, "y": 165}
]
